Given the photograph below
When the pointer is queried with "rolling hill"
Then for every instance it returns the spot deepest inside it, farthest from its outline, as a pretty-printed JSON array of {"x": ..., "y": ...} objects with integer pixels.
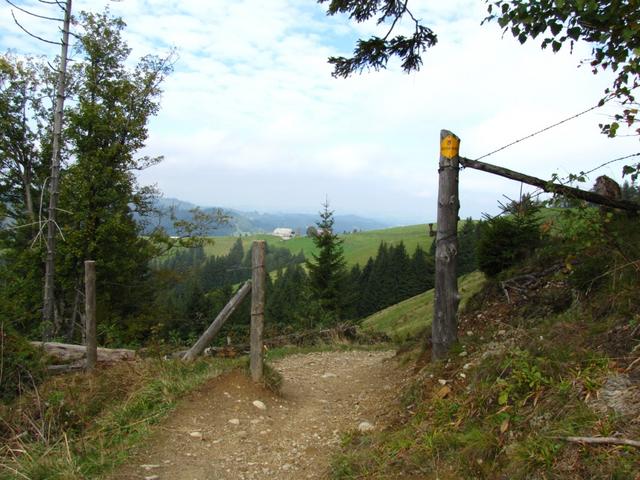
[
  {"x": 408, "y": 318},
  {"x": 243, "y": 222},
  {"x": 358, "y": 247}
]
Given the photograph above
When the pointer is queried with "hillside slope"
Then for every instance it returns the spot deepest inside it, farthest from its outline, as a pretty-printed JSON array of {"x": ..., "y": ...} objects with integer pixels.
[
  {"x": 358, "y": 247},
  {"x": 537, "y": 380},
  {"x": 412, "y": 316}
]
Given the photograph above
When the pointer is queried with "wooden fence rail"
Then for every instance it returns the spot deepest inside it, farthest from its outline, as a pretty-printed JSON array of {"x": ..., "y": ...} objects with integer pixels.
[
  {"x": 549, "y": 186},
  {"x": 206, "y": 338}
]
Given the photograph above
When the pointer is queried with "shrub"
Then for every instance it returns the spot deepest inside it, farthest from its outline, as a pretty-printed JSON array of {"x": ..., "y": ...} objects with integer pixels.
[
  {"x": 21, "y": 365},
  {"x": 505, "y": 241}
]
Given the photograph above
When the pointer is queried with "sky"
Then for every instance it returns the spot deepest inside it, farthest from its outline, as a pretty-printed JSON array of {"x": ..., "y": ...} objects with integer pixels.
[{"x": 251, "y": 117}]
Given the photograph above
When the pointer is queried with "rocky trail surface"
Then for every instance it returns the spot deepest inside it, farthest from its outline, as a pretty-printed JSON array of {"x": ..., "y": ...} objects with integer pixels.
[{"x": 233, "y": 429}]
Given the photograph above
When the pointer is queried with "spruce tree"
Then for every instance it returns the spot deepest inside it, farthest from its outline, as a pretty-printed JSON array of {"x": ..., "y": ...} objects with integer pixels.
[{"x": 327, "y": 269}]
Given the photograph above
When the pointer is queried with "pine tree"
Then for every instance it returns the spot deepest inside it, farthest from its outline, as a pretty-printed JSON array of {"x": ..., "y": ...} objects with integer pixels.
[{"x": 327, "y": 270}]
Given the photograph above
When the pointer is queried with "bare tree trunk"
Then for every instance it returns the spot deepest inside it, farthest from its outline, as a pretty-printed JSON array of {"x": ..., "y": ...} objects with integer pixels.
[
  {"x": 49, "y": 285},
  {"x": 444, "y": 329},
  {"x": 28, "y": 197},
  {"x": 74, "y": 313},
  {"x": 90, "y": 312},
  {"x": 27, "y": 167}
]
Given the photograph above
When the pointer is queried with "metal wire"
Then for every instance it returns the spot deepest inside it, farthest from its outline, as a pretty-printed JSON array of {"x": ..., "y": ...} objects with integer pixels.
[{"x": 539, "y": 132}]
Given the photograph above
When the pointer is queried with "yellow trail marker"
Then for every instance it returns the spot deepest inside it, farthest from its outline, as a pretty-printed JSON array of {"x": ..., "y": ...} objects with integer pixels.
[{"x": 449, "y": 146}]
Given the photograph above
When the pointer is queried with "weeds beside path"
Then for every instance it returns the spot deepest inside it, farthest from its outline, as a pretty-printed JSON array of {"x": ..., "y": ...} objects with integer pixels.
[{"x": 219, "y": 432}]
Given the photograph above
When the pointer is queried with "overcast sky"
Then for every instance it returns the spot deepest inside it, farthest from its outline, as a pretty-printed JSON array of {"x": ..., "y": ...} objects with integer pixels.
[{"x": 251, "y": 117}]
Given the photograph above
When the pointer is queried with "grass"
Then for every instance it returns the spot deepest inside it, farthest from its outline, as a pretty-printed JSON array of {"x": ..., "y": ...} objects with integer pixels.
[
  {"x": 82, "y": 425},
  {"x": 412, "y": 316},
  {"x": 516, "y": 386},
  {"x": 358, "y": 247}
]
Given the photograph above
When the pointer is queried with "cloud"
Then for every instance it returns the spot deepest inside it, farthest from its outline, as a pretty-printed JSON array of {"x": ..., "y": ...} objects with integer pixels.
[{"x": 252, "y": 107}]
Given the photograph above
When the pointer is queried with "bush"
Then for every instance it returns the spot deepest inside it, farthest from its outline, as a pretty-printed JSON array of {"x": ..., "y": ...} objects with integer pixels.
[
  {"x": 505, "y": 241},
  {"x": 22, "y": 365}
]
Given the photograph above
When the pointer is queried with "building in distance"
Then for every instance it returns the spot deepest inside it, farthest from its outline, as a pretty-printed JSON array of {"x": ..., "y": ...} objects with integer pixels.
[{"x": 284, "y": 233}]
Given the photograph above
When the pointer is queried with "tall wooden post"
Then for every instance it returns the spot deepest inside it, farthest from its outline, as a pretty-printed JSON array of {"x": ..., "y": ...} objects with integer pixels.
[
  {"x": 444, "y": 329},
  {"x": 90, "y": 313},
  {"x": 257, "y": 309}
]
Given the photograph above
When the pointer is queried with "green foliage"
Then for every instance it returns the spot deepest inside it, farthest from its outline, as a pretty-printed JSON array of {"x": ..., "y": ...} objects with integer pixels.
[
  {"x": 507, "y": 240},
  {"x": 523, "y": 378},
  {"x": 600, "y": 251},
  {"x": 467, "y": 247},
  {"x": 376, "y": 51},
  {"x": 24, "y": 159},
  {"x": 610, "y": 28},
  {"x": 106, "y": 125},
  {"x": 22, "y": 366},
  {"x": 24, "y": 115},
  {"x": 390, "y": 277},
  {"x": 327, "y": 269}
]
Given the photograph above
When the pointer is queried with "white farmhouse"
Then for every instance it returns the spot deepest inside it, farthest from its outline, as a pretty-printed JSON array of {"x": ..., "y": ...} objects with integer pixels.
[{"x": 284, "y": 233}]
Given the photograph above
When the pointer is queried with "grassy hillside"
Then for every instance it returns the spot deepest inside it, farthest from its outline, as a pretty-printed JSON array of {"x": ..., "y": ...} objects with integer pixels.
[
  {"x": 544, "y": 382},
  {"x": 407, "y": 319},
  {"x": 358, "y": 247}
]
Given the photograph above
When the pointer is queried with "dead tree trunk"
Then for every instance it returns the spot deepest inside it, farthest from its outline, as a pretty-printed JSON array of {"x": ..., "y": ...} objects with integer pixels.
[
  {"x": 257, "y": 310},
  {"x": 444, "y": 329},
  {"x": 49, "y": 283}
]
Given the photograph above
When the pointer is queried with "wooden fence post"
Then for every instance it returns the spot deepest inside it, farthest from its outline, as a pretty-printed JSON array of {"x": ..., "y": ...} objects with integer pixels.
[
  {"x": 257, "y": 309},
  {"x": 209, "y": 334},
  {"x": 444, "y": 329},
  {"x": 90, "y": 313}
]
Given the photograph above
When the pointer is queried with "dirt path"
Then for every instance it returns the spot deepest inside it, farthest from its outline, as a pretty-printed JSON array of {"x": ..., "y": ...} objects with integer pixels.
[{"x": 219, "y": 433}]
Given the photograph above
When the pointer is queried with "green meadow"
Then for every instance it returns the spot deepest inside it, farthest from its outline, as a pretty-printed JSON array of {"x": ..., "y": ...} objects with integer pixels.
[
  {"x": 408, "y": 318},
  {"x": 358, "y": 247}
]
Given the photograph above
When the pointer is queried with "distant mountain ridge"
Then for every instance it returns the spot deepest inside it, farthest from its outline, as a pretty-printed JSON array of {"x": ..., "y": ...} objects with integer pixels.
[{"x": 243, "y": 222}]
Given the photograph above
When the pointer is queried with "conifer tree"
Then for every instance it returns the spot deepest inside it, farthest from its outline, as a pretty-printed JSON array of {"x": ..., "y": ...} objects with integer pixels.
[{"x": 327, "y": 269}]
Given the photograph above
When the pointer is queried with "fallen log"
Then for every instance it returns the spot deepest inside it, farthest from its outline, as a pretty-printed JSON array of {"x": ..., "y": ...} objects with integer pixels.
[
  {"x": 68, "y": 352},
  {"x": 72, "y": 367}
]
